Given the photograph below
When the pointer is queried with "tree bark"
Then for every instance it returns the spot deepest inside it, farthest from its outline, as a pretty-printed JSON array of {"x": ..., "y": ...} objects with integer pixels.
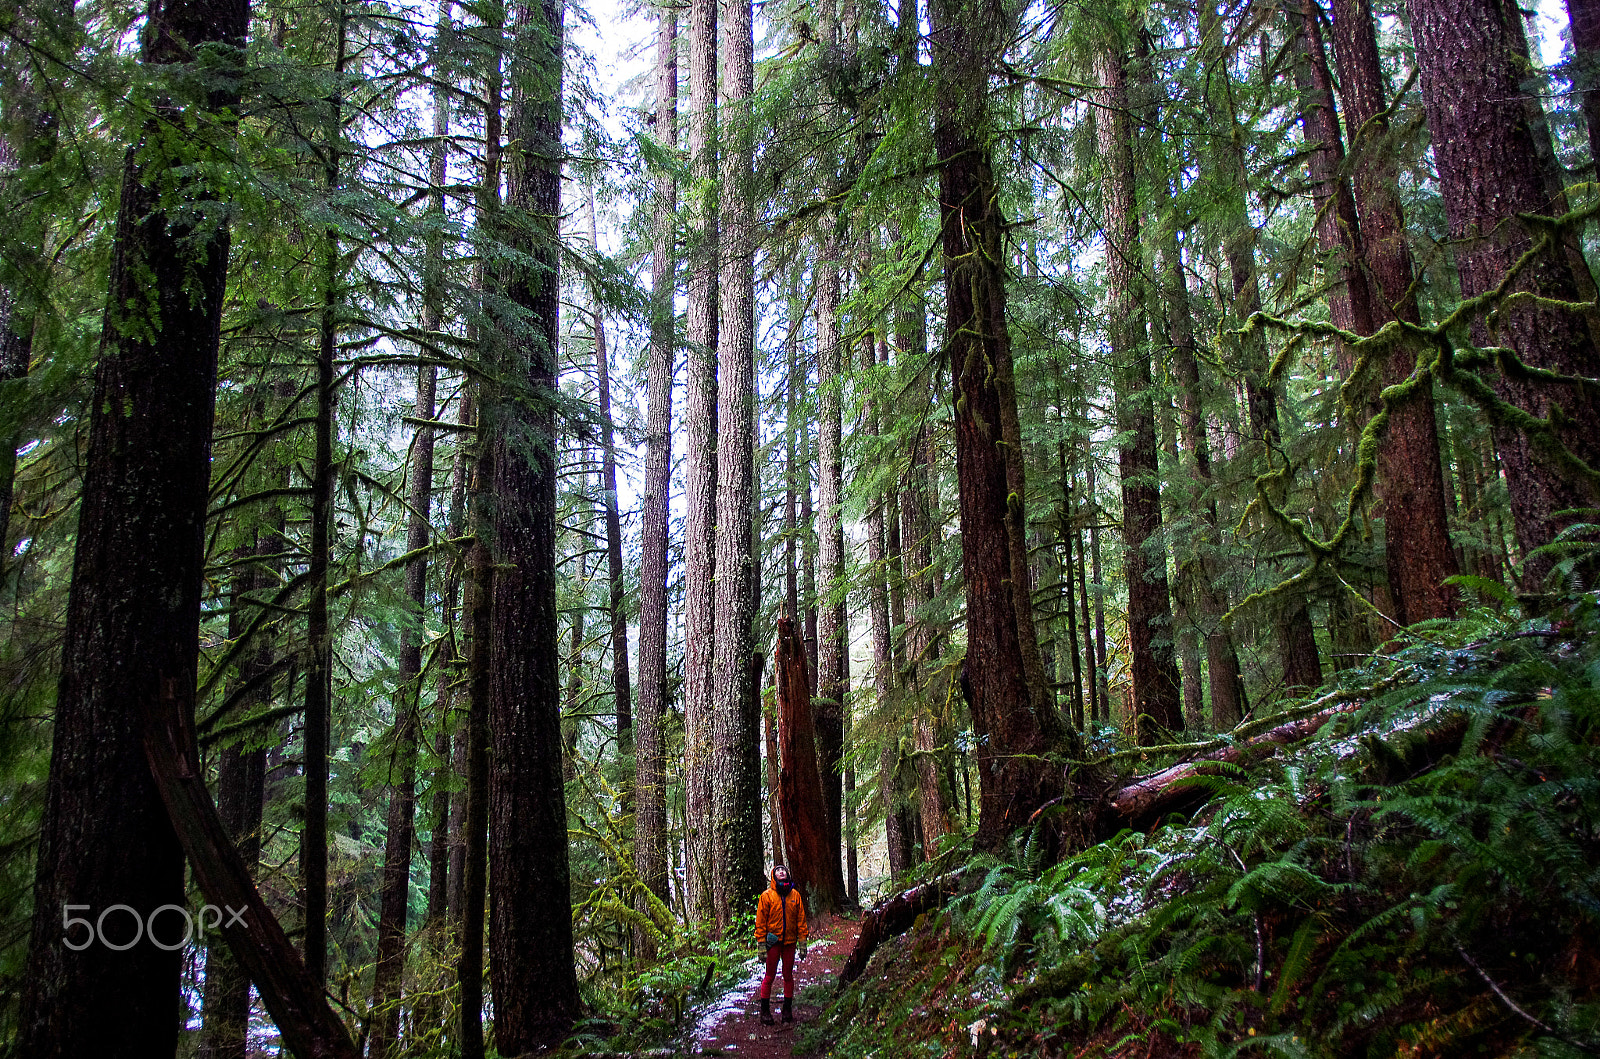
[
  {"x": 292, "y": 995},
  {"x": 736, "y": 795},
  {"x": 571, "y": 723},
  {"x": 832, "y": 631},
  {"x": 810, "y": 855},
  {"x": 131, "y": 638},
  {"x": 319, "y": 637},
  {"x": 530, "y": 924},
  {"x": 770, "y": 732},
  {"x": 650, "y": 780},
  {"x": 1157, "y": 708},
  {"x": 1410, "y": 476},
  {"x": 700, "y": 472},
  {"x": 1487, "y": 176},
  {"x": 1102, "y": 671},
  {"x": 439, "y": 811},
  {"x": 917, "y": 534},
  {"x": 1067, "y": 532},
  {"x": 1337, "y": 227},
  {"x": 1015, "y": 722},
  {"x": 400, "y": 828},
  {"x": 621, "y": 685},
  {"x": 888, "y": 713},
  {"x": 475, "y": 823},
  {"x": 1095, "y": 707}
]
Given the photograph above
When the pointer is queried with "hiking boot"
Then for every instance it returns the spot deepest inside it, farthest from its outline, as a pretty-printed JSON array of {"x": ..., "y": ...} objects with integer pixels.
[
  {"x": 766, "y": 1012},
  {"x": 788, "y": 1009}
]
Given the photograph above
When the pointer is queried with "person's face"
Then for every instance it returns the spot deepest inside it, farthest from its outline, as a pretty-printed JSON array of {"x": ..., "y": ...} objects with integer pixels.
[{"x": 781, "y": 875}]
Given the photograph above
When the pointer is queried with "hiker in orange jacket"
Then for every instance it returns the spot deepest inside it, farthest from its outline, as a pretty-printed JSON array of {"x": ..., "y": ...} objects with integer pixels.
[{"x": 780, "y": 926}]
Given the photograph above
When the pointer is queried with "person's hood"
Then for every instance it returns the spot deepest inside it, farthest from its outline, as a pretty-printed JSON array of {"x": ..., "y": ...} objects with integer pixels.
[{"x": 772, "y": 880}]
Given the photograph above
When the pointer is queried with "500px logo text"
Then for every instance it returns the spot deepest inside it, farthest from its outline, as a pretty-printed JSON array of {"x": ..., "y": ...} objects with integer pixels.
[{"x": 123, "y": 918}]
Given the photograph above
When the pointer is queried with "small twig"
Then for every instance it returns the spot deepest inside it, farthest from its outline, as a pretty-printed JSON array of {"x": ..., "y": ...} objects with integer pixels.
[{"x": 1512, "y": 1004}]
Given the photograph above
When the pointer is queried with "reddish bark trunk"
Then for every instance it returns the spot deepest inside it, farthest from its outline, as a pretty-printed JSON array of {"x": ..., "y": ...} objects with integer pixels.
[
  {"x": 1410, "y": 476},
  {"x": 810, "y": 856},
  {"x": 1488, "y": 175},
  {"x": 1014, "y": 719}
]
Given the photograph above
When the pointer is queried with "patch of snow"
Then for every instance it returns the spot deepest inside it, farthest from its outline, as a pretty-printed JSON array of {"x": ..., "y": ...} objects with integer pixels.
[{"x": 730, "y": 1003}]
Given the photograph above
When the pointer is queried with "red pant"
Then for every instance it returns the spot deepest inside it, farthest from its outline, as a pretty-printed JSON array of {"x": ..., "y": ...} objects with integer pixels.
[{"x": 787, "y": 951}]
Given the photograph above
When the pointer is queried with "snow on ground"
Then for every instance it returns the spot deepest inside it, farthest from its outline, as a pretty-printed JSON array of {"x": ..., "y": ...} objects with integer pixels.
[{"x": 731, "y": 1003}]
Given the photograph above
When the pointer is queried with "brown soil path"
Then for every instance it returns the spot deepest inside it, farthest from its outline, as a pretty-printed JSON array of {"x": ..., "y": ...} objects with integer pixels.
[{"x": 732, "y": 1027}]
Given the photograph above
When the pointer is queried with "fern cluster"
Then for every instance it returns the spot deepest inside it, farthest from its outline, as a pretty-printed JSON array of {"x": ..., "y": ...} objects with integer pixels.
[{"x": 1421, "y": 878}]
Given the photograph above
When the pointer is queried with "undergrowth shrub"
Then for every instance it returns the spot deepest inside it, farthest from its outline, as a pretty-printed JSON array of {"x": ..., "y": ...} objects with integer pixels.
[{"x": 1422, "y": 877}]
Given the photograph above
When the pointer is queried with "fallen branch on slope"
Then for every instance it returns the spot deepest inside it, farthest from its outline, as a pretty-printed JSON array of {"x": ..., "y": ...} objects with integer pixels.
[{"x": 896, "y": 916}]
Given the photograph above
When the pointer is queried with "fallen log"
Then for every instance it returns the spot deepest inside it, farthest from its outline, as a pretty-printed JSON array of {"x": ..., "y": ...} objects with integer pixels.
[
  {"x": 1164, "y": 792},
  {"x": 896, "y": 916}
]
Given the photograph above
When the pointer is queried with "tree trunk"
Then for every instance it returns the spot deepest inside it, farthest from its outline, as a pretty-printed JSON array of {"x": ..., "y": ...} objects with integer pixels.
[
  {"x": 475, "y": 824},
  {"x": 462, "y": 502},
  {"x": 917, "y": 561},
  {"x": 887, "y": 713},
  {"x": 650, "y": 777},
  {"x": 1200, "y": 569},
  {"x": 895, "y": 916},
  {"x": 1410, "y": 478},
  {"x": 736, "y": 795},
  {"x": 809, "y": 853},
  {"x": 1095, "y": 707},
  {"x": 571, "y": 724},
  {"x": 831, "y": 624},
  {"x": 530, "y": 924},
  {"x": 621, "y": 686},
  {"x": 400, "y": 824},
  {"x": 394, "y": 900},
  {"x": 293, "y": 997},
  {"x": 1157, "y": 708},
  {"x": 1296, "y": 639},
  {"x": 1068, "y": 532},
  {"x": 131, "y": 638},
  {"x": 1014, "y": 720},
  {"x": 319, "y": 637},
  {"x": 1102, "y": 672},
  {"x": 1487, "y": 176},
  {"x": 439, "y": 811},
  {"x": 770, "y": 731},
  {"x": 241, "y": 792},
  {"x": 700, "y": 471},
  {"x": 1338, "y": 230}
]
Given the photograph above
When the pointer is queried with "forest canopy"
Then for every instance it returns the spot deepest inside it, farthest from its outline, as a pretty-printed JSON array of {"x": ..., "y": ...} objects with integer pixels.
[{"x": 480, "y": 483}]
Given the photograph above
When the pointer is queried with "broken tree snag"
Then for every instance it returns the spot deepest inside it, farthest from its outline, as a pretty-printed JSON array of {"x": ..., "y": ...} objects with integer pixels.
[
  {"x": 1146, "y": 801},
  {"x": 296, "y": 1003},
  {"x": 809, "y": 855},
  {"x": 895, "y": 916}
]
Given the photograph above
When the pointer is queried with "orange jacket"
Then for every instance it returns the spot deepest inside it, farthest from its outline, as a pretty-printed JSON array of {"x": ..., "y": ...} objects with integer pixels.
[{"x": 785, "y": 917}]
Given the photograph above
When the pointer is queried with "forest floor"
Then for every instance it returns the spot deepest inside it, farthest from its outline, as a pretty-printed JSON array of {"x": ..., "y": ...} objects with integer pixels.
[{"x": 731, "y": 1024}]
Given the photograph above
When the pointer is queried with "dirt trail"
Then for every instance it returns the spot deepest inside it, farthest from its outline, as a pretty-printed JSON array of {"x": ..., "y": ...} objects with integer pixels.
[{"x": 731, "y": 1026}]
